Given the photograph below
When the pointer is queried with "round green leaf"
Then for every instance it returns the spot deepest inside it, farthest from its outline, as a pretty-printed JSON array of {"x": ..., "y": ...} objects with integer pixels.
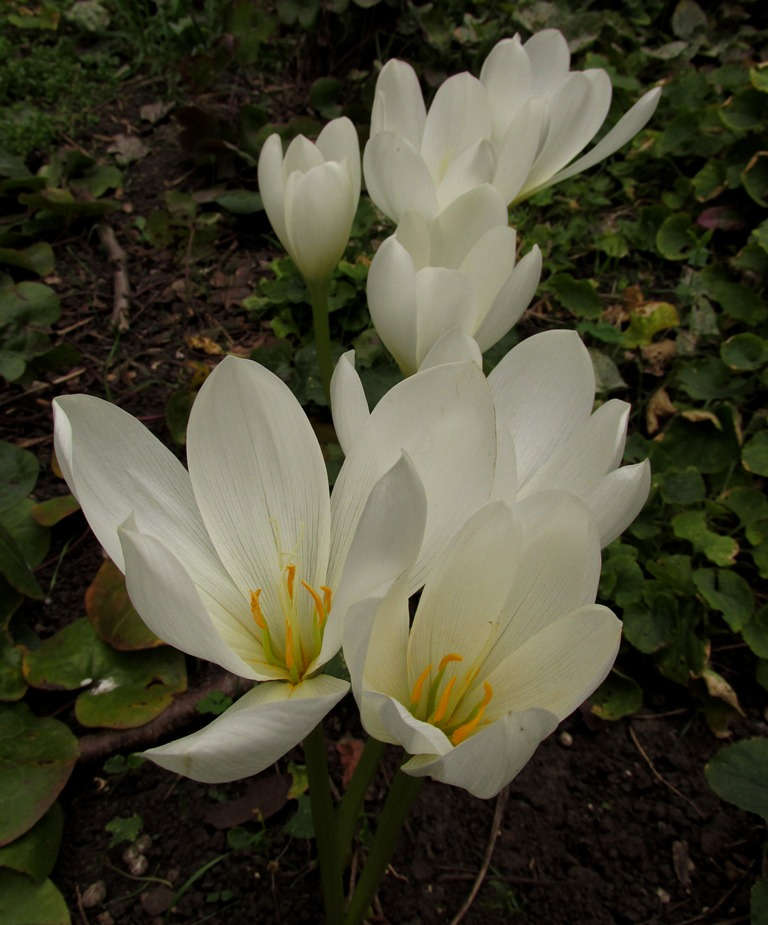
[
  {"x": 682, "y": 486},
  {"x": 739, "y": 302},
  {"x": 18, "y": 474},
  {"x": 692, "y": 526},
  {"x": 29, "y": 303},
  {"x": 651, "y": 628},
  {"x": 37, "y": 258},
  {"x": 32, "y": 540},
  {"x": 745, "y": 351},
  {"x": 728, "y": 593},
  {"x": 112, "y": 614},
  {"x": 755, "y": 633},
  {"x": 15, "y": 569},
  {"x": 616, "y": 697},
  {"x": 23, "y": 902},
  {"x": 240, "y": 201},
  {"x": 34, "y": 854},
  {"x": 49, "y": 513},
  {"x": 754, "y": 455},
  {"x": 577, "y": 295},
  {"x": 737, "y": 774},
  {"x": 36, "y": 758}
]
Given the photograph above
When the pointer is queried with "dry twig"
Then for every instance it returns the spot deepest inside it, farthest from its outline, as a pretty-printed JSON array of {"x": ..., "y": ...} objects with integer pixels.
[
  {"x": 121, "y": 302},
  {"x": 661, "y": 779}
]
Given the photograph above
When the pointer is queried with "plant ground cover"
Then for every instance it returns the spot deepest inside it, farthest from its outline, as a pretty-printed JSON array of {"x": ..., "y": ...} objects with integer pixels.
[{"x": 659, "y": 260}]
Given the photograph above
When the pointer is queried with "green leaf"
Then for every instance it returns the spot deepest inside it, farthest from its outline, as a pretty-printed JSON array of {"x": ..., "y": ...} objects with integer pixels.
[
  {"x": 37, "y": 258},
  {"x": 15, "y": 569},
  {"x": 758, "y": 902},
  {"x": 23, "y": 902},
  {"x": 113, "y": 616},
  {"x": 737, "y": 774},
  {"x": 126, "y": 689},
  {"x": 745, "y": 111},
  {"x": 622, "y": 580},
  {"x": 18, "y": 474},
  {"x": 32, "y": 540},
  {"x": 682, "y": 486},
  {"x": 750, "y": 506},
  {"x": 754, "y": 455},
  {"x": 755, "y": 178},
  {"x": 54, "y": 510},
  {"x": 12, "y": 683},
  {"x": 684, "y": 657},
  {"x": 678, "y": 238},
  {"x": 708, "y": 378},
  {"x": 648, "y": 321},
  {"x": 300, "y": 825},
  {"x": 707, "y": 439},
  {"x": 36, "y": 759},
  {"x": 651, "y": 628},
  {"x": 240, "y": 201},
  {"x": 607, "y": 375},
  {"x": 177, "y": 411},
  {"x": 12, "y": 365},
  {"x": 739, "y": 302},
  {"x": 689, "y": 19},
  {"x": 29, "y": 303},
  {"x": 755, "y": 633},
  {"x": 62, "y": 203},
  {"x": 577, "y": 295},
  {"x": 124, "y": 829},
  {"x": 745, "y": 351},
  {"x": 692, "y": 526},
  {"x": 617, "y": 696},
  {"x": 35, "y": 852},
  {"x": 673, "y": 571},
  {"x": 728, "y": 593}
]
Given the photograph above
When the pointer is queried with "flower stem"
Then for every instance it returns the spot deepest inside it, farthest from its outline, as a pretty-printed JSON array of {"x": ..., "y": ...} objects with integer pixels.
[
  {"x": 318, "y": 295},
  {"x": 325, "y": 825},
  {"x": 403, "y": 792},
  {"x": 352, "y": 801}
]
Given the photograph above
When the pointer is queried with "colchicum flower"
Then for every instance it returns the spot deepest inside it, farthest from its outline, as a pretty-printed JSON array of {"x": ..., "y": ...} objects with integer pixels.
[
  {"x": 311, "y": 195},
  {"x": 245, "y": 561},
  {"x": 518, "y": 127},
  {"x": 505, "y": 643},
  {"x": 458, "y": 270},
  {"x": 547, "y": 436}
]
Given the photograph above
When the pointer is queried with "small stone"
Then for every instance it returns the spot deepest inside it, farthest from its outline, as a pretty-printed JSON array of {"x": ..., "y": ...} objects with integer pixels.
[
  {"x": 138, "y": 866},
  {"x": 664, "y": 897},
  {"x": 105, "y": 918},
  {"x": 565, "y": 739},
  {"x": 94, "y": 895}
]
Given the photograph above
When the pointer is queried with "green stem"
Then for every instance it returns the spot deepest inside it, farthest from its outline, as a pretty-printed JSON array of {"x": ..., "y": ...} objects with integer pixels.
[
  {"x": 352, "y": 801},
  {"x": 403, "y": 792},
  {"x": 318, "y": 294},
  {"x": 325, "y": 824}
]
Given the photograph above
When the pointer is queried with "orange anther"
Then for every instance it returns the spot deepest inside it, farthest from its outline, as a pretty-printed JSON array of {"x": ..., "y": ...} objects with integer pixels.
[
  {"x": 291, "y": 575},
  {"x": 258, "y": 616},
  {"x": 418, "y": 686},
  {"x": 447, "y": 659},
  {"x": 443, "y": 705},
  {"x": 318, "y": 602}
]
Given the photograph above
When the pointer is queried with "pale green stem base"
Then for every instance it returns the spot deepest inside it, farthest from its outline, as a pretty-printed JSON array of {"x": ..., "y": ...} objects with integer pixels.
[
  {"x": 403, "y": 792},
  {"x": 352, "y": 802},
  {"x": 324, "y": 822},
  {"x": 318, "y": 294}
]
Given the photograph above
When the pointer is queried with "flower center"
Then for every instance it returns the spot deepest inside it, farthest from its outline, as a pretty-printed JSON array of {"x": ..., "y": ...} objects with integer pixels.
[
  {"x": 450, "y": 704},
  {"x": 294, "y": 639}
]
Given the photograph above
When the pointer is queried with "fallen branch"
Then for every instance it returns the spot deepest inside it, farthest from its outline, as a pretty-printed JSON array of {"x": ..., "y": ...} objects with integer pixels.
[
  {"x": 180, "y": 713},
  {"x": 121, "y": 301}
]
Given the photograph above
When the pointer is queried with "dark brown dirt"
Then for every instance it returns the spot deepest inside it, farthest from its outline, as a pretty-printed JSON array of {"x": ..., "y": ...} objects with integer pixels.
[{"x": 609, "y": 823}]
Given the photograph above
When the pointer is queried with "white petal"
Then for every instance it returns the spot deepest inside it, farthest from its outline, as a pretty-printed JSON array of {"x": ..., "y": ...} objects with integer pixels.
[
  {"x": 625, "y": 129},
  {"x": 559, "y": 667},
  {"x": 474, "y": 166},
  {"x": 457, "y": 119},
  {"x": 396, "y": 725},
  {"x": 168, "y": 602},
  {"x": 460, "y": 227},
  {"x": 486, "y": 762},
  {"x": 488, "y": 266},
  {"x": 398, "y": 105},
  {"x": 466, "y": 591},
  {"x": 576, "y": 113},
  {"x": 116, "y": 468},
  {"x": 319, "y": 210},
  {"x": 511, "y": 301},
  {"x": 338, "y": 141},
  {"x": 397, "y": 177},
  {"x": 413, "y": 233},
  {"x": 557, "y": 569},
  {"x": 543, "y": 389},
  {"x": 252, "y": 734},
  {"x": 455, "y": 346},
  {"x": 301, "y": 156},
  {"x": 272, "y": 185},
  {"x": 593, "y": 449},
  {"x": 444, "y": 299},
  {"x": 444, "y": 420},
  {"x": 386, "y": 543},
  {"x": 507, "y": 77},
  {"x": 550, "y": 59},
  {"x": 259, "y": 478},
  {"x": 618, "y": 498},
  {"x": 517, "y": 149},
  {"x": 348, "y": 401},
  {"x": 392, "y": 303}
]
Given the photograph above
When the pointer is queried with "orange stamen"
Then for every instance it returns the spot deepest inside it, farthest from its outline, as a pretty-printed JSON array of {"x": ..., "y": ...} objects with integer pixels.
[
  {"x": 258, "y": 616},
  {"x": 447, "y": 659},
  {"x": 321, "y": 614},
  {"x": 419, "y": 685},
  {"x": 290, "y": 661},
  {"x": 291, "y": 570},
  {"x": 463, "y": 731},
  {"x": 327, "y": 597},
  {"x": 443, "y": 705}
]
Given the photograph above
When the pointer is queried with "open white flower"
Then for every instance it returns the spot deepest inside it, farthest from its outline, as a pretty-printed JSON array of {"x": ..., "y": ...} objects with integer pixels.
[
  {"x": 518, "y": 127},
  {"x": 244, "y": 560},
  {"x": 457, "y": 270},
  {"x": 311, "y": 195},
  {"x": 547, "y": 436},
  {"x": 505, "y": 643}
]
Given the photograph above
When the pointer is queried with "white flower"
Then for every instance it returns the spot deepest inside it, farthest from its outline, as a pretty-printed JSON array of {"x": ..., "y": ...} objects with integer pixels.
[
  {"x": 311, "y": 195},
  {"x": 517, "y": 127},
  {"x": 547, "y": 436},
  {"x": 244, "y": 560},
  {"x": 505, "y": 643},
  {"x": 458, "y": 270}
]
